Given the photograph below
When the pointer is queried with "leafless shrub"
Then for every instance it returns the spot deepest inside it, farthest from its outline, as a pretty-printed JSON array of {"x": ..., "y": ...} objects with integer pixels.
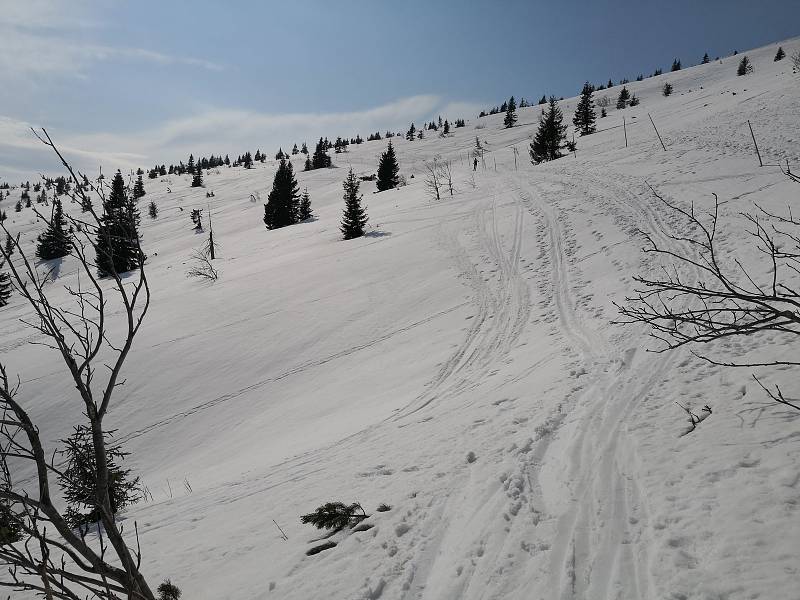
[
  {"x": 796, "y": 61},
  {"x": 433, "y": 180},
  {"x": 446, "y": 175},
  {"x": 725, "y": 298},
  {"x": 603, "y": 101},
  {"x": 45, "y": 555},
  {"x": 203, "y": 268}
]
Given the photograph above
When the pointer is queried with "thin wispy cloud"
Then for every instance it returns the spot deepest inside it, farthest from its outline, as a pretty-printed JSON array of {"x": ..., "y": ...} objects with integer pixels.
[
  {"x": 49, "y": 38},
  {"x": 212, "y": 131}
]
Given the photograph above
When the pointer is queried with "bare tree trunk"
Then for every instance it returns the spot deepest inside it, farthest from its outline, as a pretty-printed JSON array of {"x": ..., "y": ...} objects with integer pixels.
[{"x": 67, "y": 562}]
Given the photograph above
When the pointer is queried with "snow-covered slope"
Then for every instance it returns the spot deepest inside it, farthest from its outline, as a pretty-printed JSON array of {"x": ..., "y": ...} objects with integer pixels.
[{"x": 458, "y": 363}]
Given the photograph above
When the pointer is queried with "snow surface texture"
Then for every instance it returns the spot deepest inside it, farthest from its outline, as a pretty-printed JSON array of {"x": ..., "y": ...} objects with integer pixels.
[{"x": 458, "y": 363}]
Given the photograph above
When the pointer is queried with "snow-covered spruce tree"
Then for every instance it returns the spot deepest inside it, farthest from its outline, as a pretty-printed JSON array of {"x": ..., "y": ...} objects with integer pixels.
[
  {"x": 511, "y": 113},
  {"x": 667, "y": 89},
  {"x": 705, "y": 60},
  {"x": 197, "y": 180},
  {"x": 745, "y": 66},
  {"x": 676, "y": 65},
  {"x": 550, "y": 136},
  {"x": 320, "y": 159},
  {"x": 410, "y": 134},
  {"x": 585, "y": 116},
  {"x": 78, "y": 478},
  {"x": 305, "y": 212},
  {"x": 388, "y": 170},
  {"x": 623, "y": 98},
  {"x": 9, "y": 245},
  {"x": 634, "y": 101},
  {"x": 780, "y": 54},
  {"x": 138, "y": 188},
  {"x": 283, "y": 203},
  {"x": 117, "y": 241},
  {"x": 152, "y": 209},
  {"x": 354, "y": 217},
  {"x": 54, "y": 241}
]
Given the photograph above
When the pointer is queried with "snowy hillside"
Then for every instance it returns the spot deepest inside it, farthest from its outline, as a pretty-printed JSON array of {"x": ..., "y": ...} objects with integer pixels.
[{"x": 459, "y": 364}]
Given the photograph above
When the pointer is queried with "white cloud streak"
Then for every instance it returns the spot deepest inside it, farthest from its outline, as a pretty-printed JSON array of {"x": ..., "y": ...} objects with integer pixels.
[
  {"x": 46, "y": 38},
  {"x": 209, "y": 131}
]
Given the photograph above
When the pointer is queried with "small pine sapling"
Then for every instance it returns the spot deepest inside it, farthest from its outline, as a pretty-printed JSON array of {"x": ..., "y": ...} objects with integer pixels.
[
  {"x": 335, "y": 515},
  {"x": 305, "y": 211},
  {"x": 168, "y": 591}
]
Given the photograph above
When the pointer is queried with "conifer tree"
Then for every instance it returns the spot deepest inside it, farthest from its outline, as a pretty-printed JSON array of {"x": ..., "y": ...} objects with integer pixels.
[
  {"x": 308, "y": 166},
  {"x": 676, "y": 65},
  {"x": 550, "y": 137},
  {"x": 446, "y": 127},
  {"x": 197, "y": 218},
  {"x": 197, "y": 180},
  {"x": 410, "y": 133},
  {"x": 354, "y": 217},
  {"x": 667, "y": 89},
  {"x": 5, "y": 286},
  {"x": 117, "y": 242},
  {"x": 511, "y": 113},
  {"x": 9, "y": 245},
  {"x": 283, "y": 203},
  {"x": 295, "y": 150},
  {"x": 634, "y": 101},
  {"x": 18, "y": 206},
  {"x": 388, "y": 169},
  {"x": 78, "y": 479},
  {"x": 54, "y": 241},
  {"x": 585, "y": 116},
  {"x": 745, "y": 66},
  {"x": 190, "y": 165},
  {"x": 543, "y": 99},
  {"x": 603, "y": 113},
  {"x": 305, "y": 211},
  {"x": 320, "y": 159},
  {"x": 138, "y": 188},
  {"x": 152, "y": 210},
  {"x": 705, "y": 59},
  {"x": 304, "y": 149},
  {"x": 779, "y": 55},
  {"x": 623, "y": 98}
]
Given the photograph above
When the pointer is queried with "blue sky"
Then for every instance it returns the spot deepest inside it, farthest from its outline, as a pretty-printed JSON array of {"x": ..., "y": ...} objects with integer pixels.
[{"x": 128, "y": 83}]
